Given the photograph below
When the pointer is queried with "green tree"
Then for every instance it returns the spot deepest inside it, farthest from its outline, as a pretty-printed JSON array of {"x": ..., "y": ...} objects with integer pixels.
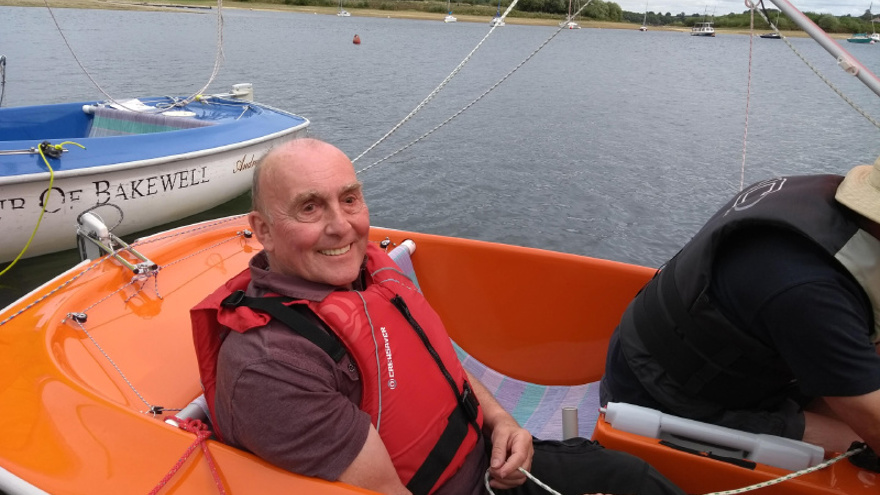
[{"x": 829, "y": 23}]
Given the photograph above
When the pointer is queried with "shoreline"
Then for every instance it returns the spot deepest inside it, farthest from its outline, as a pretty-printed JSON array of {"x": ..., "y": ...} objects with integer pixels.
[{"x": 208, "y": 7}]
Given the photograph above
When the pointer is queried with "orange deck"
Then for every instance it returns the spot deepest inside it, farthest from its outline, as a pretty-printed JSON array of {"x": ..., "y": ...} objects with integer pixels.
[{"x": 73, "y": 420}]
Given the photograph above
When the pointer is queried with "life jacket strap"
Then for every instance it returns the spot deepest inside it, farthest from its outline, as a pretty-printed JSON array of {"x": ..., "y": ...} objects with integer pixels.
[
  {"x": 441, "y": 455},
  {"x": 291, "y": 317}
]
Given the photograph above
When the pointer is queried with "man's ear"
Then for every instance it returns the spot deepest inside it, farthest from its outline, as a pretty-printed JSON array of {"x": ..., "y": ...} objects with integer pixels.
[{"x": 260, "y": 226}]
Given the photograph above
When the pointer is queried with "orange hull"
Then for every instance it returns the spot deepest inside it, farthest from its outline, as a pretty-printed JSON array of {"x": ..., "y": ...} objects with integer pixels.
[{"x": 73, "y": 396}]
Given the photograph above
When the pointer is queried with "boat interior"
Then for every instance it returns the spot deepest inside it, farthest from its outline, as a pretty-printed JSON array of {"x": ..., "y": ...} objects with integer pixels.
[{"x": 102, "y": 365}]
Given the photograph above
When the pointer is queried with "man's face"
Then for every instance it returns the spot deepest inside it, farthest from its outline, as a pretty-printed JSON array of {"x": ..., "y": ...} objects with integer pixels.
[{"x": 315, "y": 223}]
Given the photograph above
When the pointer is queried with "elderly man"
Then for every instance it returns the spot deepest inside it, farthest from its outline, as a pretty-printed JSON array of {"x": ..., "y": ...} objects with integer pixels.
[{"x": 298, "y": 375}]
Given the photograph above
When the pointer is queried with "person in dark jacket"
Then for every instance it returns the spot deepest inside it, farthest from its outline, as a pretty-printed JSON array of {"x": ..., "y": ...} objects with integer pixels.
[{"x": 767, "y": 320}]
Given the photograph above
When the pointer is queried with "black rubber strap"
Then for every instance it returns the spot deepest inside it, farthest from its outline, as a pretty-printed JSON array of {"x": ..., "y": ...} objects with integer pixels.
[
  {"x": 736, "y": 461},
  {"x": 441, "y": 455},
  {"x": 288, "y": 315}
]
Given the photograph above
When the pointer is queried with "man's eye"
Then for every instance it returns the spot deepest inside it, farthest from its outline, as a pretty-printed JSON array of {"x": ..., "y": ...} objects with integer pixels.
[
  {"x": 308, "y": 212},
  {"x": 353, "y": 203}
]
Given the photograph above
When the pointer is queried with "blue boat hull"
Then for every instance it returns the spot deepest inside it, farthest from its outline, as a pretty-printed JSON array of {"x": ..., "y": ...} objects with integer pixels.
[{"x": 146, "y": 175}]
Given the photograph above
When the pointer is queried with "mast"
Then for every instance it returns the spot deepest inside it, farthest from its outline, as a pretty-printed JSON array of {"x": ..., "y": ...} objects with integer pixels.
[{"x": 846, "y": 61}]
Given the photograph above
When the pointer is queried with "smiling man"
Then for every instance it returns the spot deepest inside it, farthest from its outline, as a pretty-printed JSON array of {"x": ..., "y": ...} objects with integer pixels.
[{"x": 324, "y": 359}]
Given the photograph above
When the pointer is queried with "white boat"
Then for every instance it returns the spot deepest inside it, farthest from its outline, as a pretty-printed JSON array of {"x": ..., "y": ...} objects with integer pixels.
[
  {"x": 137, "y": 164},
  {"x": 497, "y": 21},
  {"x": 569, "y": 23},
  {"x": 644, "y": 26},
  {"x": 703, "y": 29},
  {"x": 342, "y": 12},
  {"x": 449, "y": 17}
]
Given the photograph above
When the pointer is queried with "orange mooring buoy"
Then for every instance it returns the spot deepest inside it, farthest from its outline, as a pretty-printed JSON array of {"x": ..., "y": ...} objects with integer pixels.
[{"x": 356, "y": 40}]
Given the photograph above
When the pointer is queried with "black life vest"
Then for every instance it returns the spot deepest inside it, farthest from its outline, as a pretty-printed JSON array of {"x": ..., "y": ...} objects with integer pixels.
[{"x": 678, "y": 321}]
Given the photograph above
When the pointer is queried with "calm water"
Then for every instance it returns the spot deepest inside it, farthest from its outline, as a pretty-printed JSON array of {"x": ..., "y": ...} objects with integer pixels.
[{"x": 608, "y": 143}]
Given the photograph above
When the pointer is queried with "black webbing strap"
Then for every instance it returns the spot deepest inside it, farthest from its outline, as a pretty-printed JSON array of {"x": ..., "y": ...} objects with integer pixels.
[
  {"x": 466, "y": 413},
  {"x": 736, "y": 461},
  {"x": 441, "y": 455},
  {"x": 275, "y": 307}
]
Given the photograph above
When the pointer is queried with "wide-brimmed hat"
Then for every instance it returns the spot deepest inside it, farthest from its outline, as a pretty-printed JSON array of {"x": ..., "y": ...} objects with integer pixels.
[{"x": 860, "y": 191}]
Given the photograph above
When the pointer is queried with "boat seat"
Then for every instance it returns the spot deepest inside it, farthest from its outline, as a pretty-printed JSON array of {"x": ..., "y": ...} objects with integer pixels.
[
  {"x": 537, "y": 408},
  {"x": 108, "y": 121}
]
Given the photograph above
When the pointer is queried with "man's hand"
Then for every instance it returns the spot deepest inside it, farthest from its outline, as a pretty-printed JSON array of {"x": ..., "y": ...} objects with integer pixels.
[{"x": 511, "y": 449}]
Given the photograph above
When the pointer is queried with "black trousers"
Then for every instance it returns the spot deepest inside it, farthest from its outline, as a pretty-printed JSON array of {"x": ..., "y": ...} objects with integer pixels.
[{"x": 577, "y": 466}]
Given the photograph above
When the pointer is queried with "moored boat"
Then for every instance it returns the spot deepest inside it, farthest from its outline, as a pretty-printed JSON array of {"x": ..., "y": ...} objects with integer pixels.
[
  {"x": 142, "y": 162},
  {"x": 703, "y": 29},
  {"x": 864, "y": 38}
]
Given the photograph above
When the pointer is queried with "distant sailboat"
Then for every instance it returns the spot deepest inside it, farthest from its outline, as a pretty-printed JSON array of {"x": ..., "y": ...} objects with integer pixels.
[
  {"x": 569, "y": 23},
  {"x": 872, "y": 38},
  {"x": 342, "y": 12},
  {"x": 449, "y": 17},
  {"x": 774, "y": 35},
  {"x": 497, "y": 20},
  {"x": 644, "y": 26},
  {"x": 705, "y": 28}
]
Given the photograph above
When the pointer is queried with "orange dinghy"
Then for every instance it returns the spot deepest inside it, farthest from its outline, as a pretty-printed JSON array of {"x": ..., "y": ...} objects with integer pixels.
[{"x": 94, "y": 362}]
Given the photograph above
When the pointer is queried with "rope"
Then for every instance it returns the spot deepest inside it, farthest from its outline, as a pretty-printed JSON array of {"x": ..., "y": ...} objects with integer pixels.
[
  {"x": 756, "y": 486},
  {"x": 742, "y": 174},
  {"x": 528, "y": 475},
  {"x": 472, "y": 103},
  {"x": 218, "y": 60},
  {"x": 791, "y": 475},
  {"x": 2, "y": 78},
  {"x": 828, "y": 83},
  {"x": 54, "y": 151},
  {"x": 202, "y": 433},
  {"x": 438, "y": 88}
]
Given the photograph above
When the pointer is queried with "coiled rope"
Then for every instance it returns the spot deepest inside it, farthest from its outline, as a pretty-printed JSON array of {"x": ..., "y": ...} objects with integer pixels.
[
  {"x": 756, "y": 486},
  {"x": 218, "y": 62},
  {"x": 472, "y": 103}
]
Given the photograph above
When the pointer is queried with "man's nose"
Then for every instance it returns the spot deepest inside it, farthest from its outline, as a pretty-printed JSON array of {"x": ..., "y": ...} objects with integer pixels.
[{"x": 337, "y": 219}]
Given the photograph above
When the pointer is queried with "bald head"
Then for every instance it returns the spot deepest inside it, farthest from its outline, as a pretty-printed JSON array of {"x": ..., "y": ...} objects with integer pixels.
[
  {"x": 309, "y": 212},
  {"x": 287, "y": 155}
]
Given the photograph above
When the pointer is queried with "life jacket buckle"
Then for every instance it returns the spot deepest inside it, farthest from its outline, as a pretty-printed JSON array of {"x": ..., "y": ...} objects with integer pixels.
[
  {"x": 469, "y": 403},
  {"x": 234, "y": 299}
]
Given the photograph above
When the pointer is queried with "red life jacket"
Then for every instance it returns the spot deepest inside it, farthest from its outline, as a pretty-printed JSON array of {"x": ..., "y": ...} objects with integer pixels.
[{"x": 429, "y": 420}]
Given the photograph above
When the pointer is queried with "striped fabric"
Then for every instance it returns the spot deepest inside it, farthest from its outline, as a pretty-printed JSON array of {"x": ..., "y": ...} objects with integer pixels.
[
  {"x": 112, "y": 122},
  {"x": 537, "y": 408}
]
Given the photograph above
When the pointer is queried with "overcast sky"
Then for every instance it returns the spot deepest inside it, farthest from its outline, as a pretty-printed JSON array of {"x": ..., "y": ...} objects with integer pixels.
[{"x": 721, "y": 7}]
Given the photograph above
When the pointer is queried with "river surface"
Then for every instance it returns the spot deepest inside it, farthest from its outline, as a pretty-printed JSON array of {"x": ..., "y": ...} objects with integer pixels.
[{"x": 607, "y": 143}]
